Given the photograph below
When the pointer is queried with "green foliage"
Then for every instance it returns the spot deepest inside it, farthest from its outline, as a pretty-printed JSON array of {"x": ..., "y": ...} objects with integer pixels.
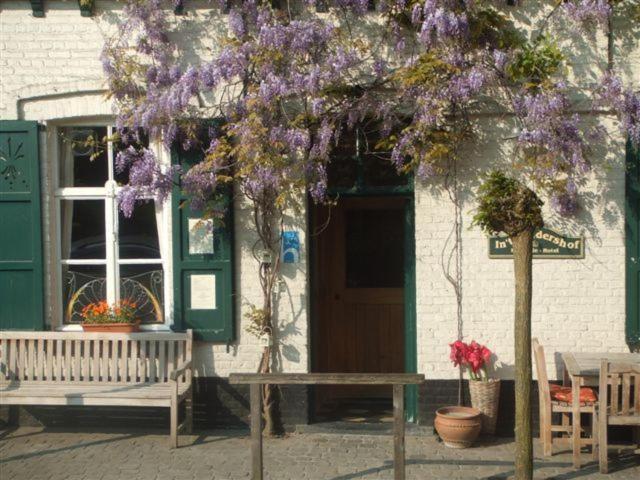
[
  {"x": 536, "y": 63},
  {"x": 258, "y": 320},
  {"x": 507, "y": 205},
  {"x": 429, "y": 70},
  {"x": 490, "y": 27}
]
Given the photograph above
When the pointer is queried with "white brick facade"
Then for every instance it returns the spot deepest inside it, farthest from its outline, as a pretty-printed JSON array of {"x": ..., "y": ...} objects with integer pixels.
[{"x": 50, "y": 72}]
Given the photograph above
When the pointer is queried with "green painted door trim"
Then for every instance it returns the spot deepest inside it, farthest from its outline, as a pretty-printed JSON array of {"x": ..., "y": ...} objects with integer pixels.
[
  {"x": 410, "y": 326},
  {"x": 21, "y": 268},
  {"x": 632, "y": 235}
]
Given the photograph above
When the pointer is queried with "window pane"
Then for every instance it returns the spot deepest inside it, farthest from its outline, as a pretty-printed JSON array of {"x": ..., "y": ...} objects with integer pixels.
[
  {"x": 139, "y": 233},
  {"x": 82, "y": 229},
  {"x": 380, "y": 172},
  {"x": 342, "y": 172},
  {"x": 84, "y": 157},
  {"x": 143, "y": 285},
  {"x": 82, "y": 285},
  {"x": 375, "y": 249}
]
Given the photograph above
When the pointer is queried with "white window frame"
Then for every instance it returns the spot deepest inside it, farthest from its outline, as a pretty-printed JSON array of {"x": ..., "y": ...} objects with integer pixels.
[{"x": 112, "y": 262}]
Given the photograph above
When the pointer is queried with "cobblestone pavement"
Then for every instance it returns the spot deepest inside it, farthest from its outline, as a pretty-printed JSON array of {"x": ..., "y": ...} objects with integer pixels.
[{"x": 35, "y": 454}]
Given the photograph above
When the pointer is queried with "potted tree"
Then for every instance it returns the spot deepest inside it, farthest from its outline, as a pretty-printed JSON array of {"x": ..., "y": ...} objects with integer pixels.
[
  {"x": 102, "y": 317},
  {"x": 485, "y": 391}
]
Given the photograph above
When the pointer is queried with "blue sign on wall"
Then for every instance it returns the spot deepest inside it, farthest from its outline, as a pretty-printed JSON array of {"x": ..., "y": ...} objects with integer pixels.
[{"x": 290, "y": 247}]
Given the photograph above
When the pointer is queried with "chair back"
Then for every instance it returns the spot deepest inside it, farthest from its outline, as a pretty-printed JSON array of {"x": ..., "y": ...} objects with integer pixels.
[
  {"x": 541, "y": 370},
  {"x": 620, "y": 391}
]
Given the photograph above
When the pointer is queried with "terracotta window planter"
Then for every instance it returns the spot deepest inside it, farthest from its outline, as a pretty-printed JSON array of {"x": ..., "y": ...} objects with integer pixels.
[
  {"x": 458, "y": 427},
  {"x": 111, "y": 327}
]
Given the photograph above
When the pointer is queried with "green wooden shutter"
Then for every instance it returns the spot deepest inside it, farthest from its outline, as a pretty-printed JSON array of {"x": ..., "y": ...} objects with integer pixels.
[
  {"x": 189, "y": 269},
  {"x": 21, "y": 290},
  {"x": 632, "y": 233}
]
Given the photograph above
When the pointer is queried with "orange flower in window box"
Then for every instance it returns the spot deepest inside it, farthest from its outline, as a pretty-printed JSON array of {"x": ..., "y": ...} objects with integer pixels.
[{"x": 102, "y": 317}]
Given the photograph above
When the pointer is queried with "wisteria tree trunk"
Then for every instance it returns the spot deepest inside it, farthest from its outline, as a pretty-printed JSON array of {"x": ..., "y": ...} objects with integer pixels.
[
  {"x": 268, "y": 224},
  {"x": 522, "y": 259}
]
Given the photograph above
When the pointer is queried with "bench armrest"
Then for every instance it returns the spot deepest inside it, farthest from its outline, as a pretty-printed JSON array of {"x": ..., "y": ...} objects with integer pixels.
[{"x": 180, "y": 369}]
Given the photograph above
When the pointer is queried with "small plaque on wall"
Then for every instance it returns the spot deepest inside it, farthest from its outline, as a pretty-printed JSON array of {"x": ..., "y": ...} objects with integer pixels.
[
  {"x": 203, "y": 292},
  {"x": 546, "y": 244},
  {"x": 200, "y": 236},
  {"x": 290, "y": 247}
]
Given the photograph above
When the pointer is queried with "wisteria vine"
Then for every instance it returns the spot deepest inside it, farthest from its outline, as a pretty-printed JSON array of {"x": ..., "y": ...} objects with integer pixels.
[{"x": 288, "y": 80}]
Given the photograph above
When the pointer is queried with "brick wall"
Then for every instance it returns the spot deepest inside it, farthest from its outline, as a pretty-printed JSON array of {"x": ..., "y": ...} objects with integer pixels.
[{"x": 51, "y": 72}]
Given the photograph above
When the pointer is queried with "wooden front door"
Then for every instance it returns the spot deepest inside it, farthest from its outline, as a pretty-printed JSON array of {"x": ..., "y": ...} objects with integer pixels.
[{"x": 359, "y": 292}]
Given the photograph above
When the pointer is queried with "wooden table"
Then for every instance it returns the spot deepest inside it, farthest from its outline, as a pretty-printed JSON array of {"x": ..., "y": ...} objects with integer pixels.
[
  {"x": 584, "y": 369},
  {"x": 256, "y": 380}
]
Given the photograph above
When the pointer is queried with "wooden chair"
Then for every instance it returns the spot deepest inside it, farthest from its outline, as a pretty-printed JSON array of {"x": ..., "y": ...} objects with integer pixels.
[
  {"x": 619, "y": 402},
  {"x": 556, "y": 399}
]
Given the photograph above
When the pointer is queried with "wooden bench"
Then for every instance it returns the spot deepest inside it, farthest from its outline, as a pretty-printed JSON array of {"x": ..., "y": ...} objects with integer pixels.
[
  {"x": 107, "y": 369},
  {"x": 256, "y": 380}
]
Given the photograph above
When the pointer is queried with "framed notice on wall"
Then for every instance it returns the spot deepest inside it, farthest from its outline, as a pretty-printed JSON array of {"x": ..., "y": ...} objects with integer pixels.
[{"x": 546, "y": 244}]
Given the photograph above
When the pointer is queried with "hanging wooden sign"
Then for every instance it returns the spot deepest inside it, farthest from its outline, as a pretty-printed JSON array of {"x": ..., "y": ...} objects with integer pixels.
[{"x": 546, "y": 244}]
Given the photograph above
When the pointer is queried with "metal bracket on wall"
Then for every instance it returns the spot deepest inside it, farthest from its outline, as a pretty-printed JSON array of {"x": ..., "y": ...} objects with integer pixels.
[
  {"x": 86, "y": 7},
  {"x": 37, "y": 8}
]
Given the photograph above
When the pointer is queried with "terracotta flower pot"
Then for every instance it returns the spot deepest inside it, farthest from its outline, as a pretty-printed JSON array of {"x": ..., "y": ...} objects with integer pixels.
[
  {"x": 111, "y": 327},
  {"x": 458, "y": 427}
]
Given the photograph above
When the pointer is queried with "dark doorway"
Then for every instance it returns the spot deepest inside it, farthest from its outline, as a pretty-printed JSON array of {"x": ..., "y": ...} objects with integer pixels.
[{"x": 359, "y": 302}]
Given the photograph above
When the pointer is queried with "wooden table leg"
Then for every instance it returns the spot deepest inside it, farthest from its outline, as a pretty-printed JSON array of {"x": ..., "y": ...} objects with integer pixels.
[
  {"x": 256, "y": 431},
  {"x": 398, "y": 432},
  {"x": 575, "y": 414}
]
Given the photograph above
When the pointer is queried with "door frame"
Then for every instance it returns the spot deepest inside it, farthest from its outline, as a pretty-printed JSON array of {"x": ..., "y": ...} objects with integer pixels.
[{"x": 410, "y": 328}]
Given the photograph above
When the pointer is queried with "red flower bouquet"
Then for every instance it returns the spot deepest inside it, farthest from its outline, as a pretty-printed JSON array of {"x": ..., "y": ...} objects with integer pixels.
[{"x": 473, "y": 356}]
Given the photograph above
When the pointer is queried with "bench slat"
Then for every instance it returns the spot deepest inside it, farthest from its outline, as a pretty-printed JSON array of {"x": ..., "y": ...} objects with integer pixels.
[
  {"x": 162, "y": 361},
  {"x": 152, "y": 361},
  {"x": 86, "y": 359},
  {"x": 68, "y": 360},
  {"x": 4, "y": 359},
  {"x": 30, "y": 359},
  {"x": 48, "y": 374},
  {"x": 77, "y": 358},
  {"x": 115, "y": 357},
  {"x": 181, "y": 357},
  {"x": 143, "y": 360},
  {"x": 39, "y": 356},
  {"x": 133, "y": 365},
  {"x": 13, "y": 355},
  {"x": 104, "y": 357},
  {"x": 171, "y": 357},
  {"x": 124, "y": 361}
]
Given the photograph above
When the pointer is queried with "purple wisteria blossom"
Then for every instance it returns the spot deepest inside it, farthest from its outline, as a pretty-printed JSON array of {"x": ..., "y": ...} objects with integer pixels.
[
  {"x": 146, "y": 177},
  {"x": 587, "y": 13},
  {"x": 288, "y": 83},
  {"x": 611, "y": 93},
  {"x": 442, "y": 22}
]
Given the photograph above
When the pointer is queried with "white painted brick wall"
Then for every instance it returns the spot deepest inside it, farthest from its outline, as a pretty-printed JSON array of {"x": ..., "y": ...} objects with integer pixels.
[{"x": 50, "y": 72}]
